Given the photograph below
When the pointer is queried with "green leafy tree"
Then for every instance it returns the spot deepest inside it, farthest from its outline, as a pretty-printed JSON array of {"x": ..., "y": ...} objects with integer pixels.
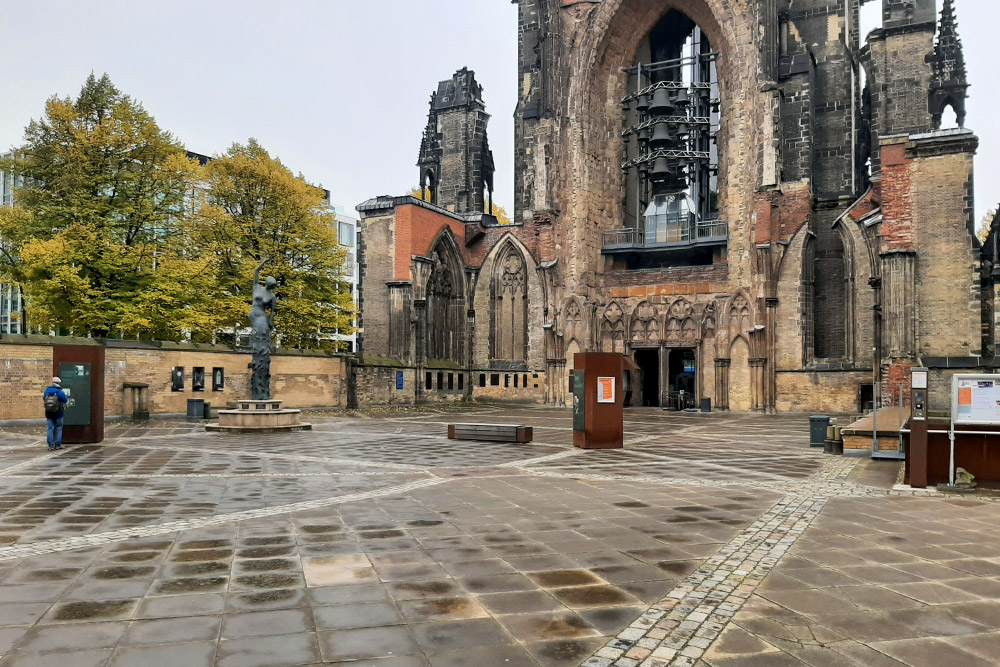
[
  {"x": 256, "y": 209},
  {"x": 102, "y": 193}
]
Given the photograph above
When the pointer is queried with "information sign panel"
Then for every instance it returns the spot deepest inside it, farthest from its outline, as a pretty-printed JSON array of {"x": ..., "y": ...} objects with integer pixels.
[
  {"x": 975, "y": 399},
  {"x": 605, "y": 390},
  {"x": 76, "y": 384},
  {"x": 579, "y": 402}
]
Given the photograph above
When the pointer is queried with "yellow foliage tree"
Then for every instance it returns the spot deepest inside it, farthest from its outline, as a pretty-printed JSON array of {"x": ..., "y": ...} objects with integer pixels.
[
  {"x": 256, "y": 209},
  {"x": 102, "y": 191}
]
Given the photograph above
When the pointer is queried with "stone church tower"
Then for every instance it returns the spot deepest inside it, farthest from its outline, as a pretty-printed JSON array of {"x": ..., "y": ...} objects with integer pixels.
[
  {"x": 456, "y": 163},
  {"x": 749, "y": 196},
  {"x": 749, "y": 199}
]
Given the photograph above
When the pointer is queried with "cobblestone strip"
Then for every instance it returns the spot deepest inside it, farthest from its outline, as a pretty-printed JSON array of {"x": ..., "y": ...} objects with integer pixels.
[
  {"x": 98, "y": 539},
  {"x": 678, "y": 630}
]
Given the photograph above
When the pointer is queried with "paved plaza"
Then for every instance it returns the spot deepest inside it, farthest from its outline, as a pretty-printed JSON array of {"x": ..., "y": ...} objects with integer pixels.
[{"x": 712, "y": 539}]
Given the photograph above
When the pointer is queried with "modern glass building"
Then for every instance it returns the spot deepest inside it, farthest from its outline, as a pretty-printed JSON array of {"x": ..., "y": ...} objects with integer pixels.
[
  {"x": 10, "y": 295},
  {"x": 347, "y": 235}
]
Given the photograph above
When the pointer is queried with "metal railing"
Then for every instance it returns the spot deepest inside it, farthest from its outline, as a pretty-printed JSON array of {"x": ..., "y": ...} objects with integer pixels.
[{"x": 671, "y": 235}]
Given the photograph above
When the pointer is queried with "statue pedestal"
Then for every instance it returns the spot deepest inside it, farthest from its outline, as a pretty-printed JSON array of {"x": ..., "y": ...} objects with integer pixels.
[{"x": 258, "y": 417}]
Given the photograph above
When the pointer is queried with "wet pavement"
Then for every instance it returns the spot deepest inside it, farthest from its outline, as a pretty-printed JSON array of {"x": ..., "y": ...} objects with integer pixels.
[{"x": 711, "y": 539}]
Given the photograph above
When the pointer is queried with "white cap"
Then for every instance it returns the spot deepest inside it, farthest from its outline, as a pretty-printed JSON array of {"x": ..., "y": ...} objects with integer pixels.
[{"x": 56, "y": 380}]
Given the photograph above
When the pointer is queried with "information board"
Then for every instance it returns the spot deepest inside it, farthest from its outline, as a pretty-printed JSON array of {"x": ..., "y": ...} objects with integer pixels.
[
  {"x": 975, "y": 399},
  {"x": 579, "y": 402},
  {"x": 76, "y": 384},
  {"x": 605, "y": 390}
]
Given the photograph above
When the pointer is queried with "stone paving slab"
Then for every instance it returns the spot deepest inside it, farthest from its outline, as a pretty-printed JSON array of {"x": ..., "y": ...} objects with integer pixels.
[{"x": 711, "y": 539}]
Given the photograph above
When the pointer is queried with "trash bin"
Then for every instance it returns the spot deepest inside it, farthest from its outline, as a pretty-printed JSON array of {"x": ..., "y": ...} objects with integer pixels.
[
  {"x": 208, "y": 410},
  {"x": 817, "y": 430},
  {"x": 706, "y": 405},
  {"x": 196, "y": 408}
]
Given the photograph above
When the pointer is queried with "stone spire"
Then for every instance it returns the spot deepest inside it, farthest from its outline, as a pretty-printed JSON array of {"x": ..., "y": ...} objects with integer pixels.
[{"x": 950, "y": 82}]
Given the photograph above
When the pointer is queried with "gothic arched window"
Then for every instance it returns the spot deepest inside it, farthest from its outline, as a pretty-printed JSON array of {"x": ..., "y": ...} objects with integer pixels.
[
  {"x": 509, "y": 292},
  {"x": 445, "y": 307}
]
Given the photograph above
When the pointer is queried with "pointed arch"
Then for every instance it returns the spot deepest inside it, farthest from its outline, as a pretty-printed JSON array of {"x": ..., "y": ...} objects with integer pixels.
[
  {"x": 612, "y": 328},
  {"x": 645, "y": 325},
  {"x": 509, "y": 306},
  {"x": 445, "y": 295},
  {"x": 740, "y": 315},
  {"x": 740, "y": 390},
  {"x": 575, "y": 321}
]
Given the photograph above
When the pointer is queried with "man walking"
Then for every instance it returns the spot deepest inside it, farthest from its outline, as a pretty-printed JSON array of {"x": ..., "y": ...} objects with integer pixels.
[{"x": 55, "y": 404}]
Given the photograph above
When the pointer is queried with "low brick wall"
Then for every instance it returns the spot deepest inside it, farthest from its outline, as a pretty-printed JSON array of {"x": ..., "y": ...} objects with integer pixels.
[
  {"x": 807, "y": 391},
  {"x": 300, "y": 379},
  {"x": 376, "y": 384}
]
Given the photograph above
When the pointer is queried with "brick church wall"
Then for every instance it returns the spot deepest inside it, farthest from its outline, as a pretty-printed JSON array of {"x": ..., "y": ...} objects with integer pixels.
[{"x": 301, "y": 380}]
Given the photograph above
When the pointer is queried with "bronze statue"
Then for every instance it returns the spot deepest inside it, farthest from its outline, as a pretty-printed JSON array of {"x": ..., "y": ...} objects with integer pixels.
[{"x": 261, "y": 325}]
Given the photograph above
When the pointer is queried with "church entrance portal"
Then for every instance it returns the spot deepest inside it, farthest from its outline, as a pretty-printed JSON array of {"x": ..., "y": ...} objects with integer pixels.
[
  {"x": 648, "y": 362},
  {"x": 681, "y": 379}
]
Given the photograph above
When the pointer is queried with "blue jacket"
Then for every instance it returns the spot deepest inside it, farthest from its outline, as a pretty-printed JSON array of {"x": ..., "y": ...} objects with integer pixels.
[{"x": 53, "y": 389}]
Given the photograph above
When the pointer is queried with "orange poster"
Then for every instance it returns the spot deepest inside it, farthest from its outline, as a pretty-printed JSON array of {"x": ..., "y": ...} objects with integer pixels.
[
  {"x": 965, "y": 395},
  {"x": 605, "y": 390}
]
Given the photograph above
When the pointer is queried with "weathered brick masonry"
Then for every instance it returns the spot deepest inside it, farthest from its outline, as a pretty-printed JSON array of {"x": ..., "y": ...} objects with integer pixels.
[
  {"x": 820, "y": 234},
  {"x": 300, "y": 380}
]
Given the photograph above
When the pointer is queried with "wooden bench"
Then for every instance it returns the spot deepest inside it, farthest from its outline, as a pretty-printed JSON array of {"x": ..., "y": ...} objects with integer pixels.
[{"x": 490, "y": 432}]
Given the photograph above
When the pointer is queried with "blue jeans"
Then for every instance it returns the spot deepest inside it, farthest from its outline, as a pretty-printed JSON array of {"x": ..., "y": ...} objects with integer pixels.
[{"x": 55, "y": 429}]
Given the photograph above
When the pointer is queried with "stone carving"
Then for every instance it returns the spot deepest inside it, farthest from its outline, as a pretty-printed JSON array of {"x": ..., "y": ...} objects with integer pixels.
[
  {"x": 261, "y": 327},
  {"x": 965, "y": 479},
  {"x": 680, "y": 309},
  {"x": 613, "y": 329},
  {"x": 739, "y": 315},
  {"x": 645, "y": 324},
  {"x": 689, "y": 330}
]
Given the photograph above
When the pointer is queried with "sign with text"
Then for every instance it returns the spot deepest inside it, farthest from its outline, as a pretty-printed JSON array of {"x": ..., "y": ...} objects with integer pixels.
[
  {"x": 975, "y": 399},
  {"x": 605, "y": 390}
]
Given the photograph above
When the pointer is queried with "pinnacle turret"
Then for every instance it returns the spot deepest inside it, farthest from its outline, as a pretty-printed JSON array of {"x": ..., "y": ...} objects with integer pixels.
[{"x": 949, "y": 83}]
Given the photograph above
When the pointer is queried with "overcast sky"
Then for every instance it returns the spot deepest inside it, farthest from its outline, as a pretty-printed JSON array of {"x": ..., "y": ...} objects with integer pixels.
[{"x": 338, "y": 89}]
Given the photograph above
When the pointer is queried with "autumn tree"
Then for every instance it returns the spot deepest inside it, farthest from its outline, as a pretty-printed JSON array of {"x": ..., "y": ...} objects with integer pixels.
[
  {"x": 986, "y": 224},
  {"x": 255, "y": 209},
  {"x": 102, "y": 188}
]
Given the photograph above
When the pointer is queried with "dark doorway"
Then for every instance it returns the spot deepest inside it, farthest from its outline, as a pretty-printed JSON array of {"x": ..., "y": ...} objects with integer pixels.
[
  {"x": 866, "y": 397},
  {"x": 682, "y": 379},
  {"x": 648, "y": 362}
]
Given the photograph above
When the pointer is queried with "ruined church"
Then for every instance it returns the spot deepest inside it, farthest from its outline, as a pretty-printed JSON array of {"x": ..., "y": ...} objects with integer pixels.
[{"x": 760, "y": 207}]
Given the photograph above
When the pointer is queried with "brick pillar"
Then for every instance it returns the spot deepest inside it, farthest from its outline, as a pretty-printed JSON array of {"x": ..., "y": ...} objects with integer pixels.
[
  {"x": 470, "y": 353},
  {"x": 771, "y": 378},
  {"x": 420, "y": 347},
  {"x": 664, "y": 375},
  {"x": 758, "y": 367},
  {"x": 722, "y": 383}
]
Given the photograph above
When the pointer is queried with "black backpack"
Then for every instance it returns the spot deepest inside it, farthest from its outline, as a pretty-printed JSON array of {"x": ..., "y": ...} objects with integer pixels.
[{"x": 52, "y": 402}]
